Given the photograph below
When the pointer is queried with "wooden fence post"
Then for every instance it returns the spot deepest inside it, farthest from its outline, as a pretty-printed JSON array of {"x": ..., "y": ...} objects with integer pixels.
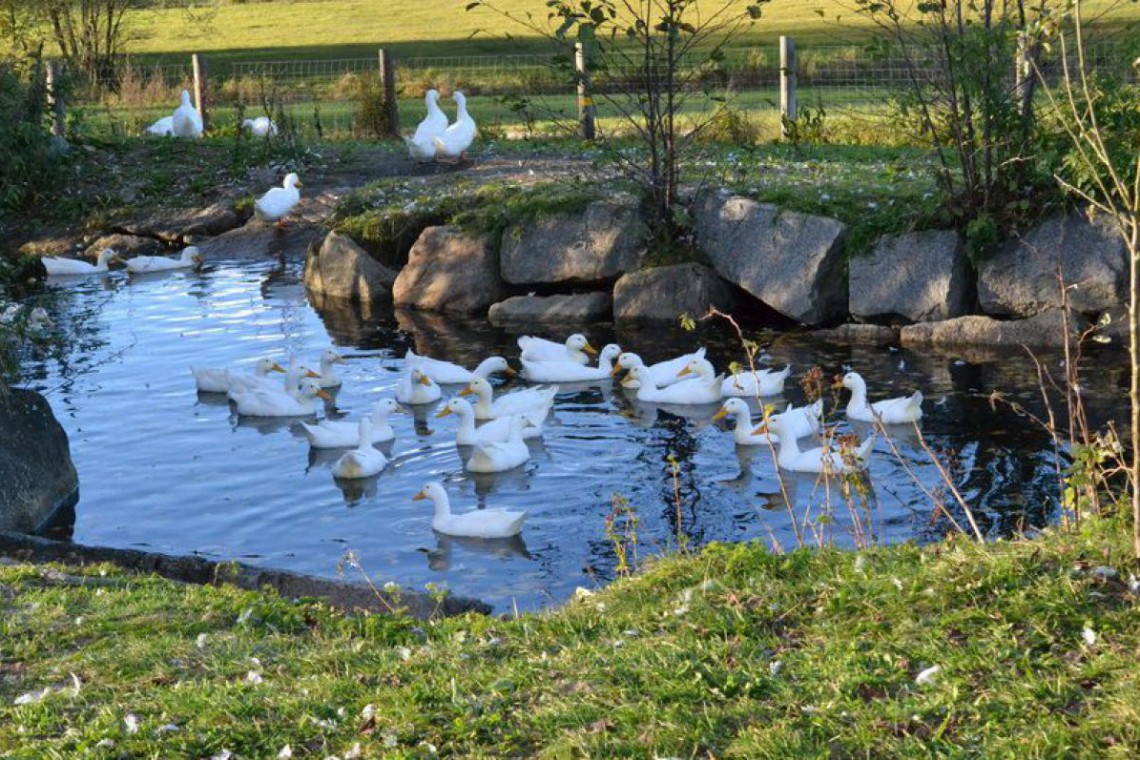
[
  {"x": 585, "y": 102},
  {"x": 787, "y": 82},
  {"x": 388, "y": 83},
  {"x": 201, "y": 93},
  {"x": 55, "y": 99}
]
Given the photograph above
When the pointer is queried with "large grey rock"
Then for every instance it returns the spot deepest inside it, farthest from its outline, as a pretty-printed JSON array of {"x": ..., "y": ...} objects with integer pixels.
[
  {"x": 178, "y": 226},
  {"x": 855, "y": 334},
  {"x": 664, "y": 293},
  {"x": 1021, "y": 279},
  {"x": 583, "y": 307},
  {"x": 922, "y": 276},
  {"x": 1045, "y": 329},
  {"x": 451, "y": 271},
  {"x": 125, "y": 245},
  {"x": 261, "y": 241},
  {"x": 793, "y": 262},
  {"x": 339, "y": 268},
  {"x": 37, "y": 477},
  {"x": 601, "y": 243}
]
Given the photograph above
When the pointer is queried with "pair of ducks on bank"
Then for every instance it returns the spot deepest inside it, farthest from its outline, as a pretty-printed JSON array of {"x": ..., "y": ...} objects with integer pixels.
[{"x": 435, "y": 138}]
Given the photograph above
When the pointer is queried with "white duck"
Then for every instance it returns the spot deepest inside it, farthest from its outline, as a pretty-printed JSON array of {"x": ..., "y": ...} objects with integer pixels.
[
  {"x": 337, "y": 434},
  {"x": 800, "y": 421},
  {"x": 277, "y": 202},
  {"x": 459, "y": 135},
  {"x": 164, "y": 127},
  {"x": 416, "y": 388},
  {"x": 217, "y": 380},
  {"x": 481, "y": 523},
  {"x": 572, "y": 372},
  {"x": 891, "y": 411},
  {"x": 535, "y": 403},
  {"x": 58, "y": 266},
  {"x": 262, "y": 126},
  {"x": 700, "y": 390},
  {"x": 186, "y": 121},
  {"x": 449, "y": 373},
  {"x": 742, "y": 431},
  {"x": 364, "y": 461},
  {"x": 498, "y": 429},
  {"x": 762, "y": 382},
  {"x": 421, "y": 145},
  {"x": 500, "y": 456},
  {"x": 262, "y": 404},
  {"x": 663, "y": 373},
  {"x": 790, "y": 457},
  {"x": 290, "y": 384},
  {"x": 327, "y": 375},
  {"x": 189, "y": 258},
  {"x": 575, "y": 349}
]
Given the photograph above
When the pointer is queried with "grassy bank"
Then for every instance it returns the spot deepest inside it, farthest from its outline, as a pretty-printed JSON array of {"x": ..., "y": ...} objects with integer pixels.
[{"x": 733, "y": 652}]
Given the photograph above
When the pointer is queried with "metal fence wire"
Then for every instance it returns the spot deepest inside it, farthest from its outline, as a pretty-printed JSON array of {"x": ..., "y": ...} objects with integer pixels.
[{"x": 327, "y": 96}]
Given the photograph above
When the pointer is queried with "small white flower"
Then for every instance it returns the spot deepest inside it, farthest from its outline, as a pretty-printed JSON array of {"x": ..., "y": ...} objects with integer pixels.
[
  {"x": 253, "y": 677},
  {"x": 1089, "y": 635},
  {"x": 898, "y": 583},
  {"x": 390, "y": 740},
  {"x": 368, "y": 712},
  {"x": 926, "y": 677},
  {"x": 285, "y": 753},
  {"x": 859, "y": 562},
  {"x": 774, "y": 667},
  {"x": 132, "y": 723},
  {"x": 354, "y": 752},
  {"x": 404, "y": 652},
  {"x": 1133, "y": 584},
  {"x": 105, "y": 744},
  {"x": 168, "y": 728},
  {"x": 200, "y": 642}
]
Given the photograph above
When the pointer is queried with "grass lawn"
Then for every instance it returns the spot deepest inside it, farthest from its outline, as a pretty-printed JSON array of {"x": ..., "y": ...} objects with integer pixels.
[
  {"x": 329, "y": 29},
  {"x": 1014, "y": 649}
]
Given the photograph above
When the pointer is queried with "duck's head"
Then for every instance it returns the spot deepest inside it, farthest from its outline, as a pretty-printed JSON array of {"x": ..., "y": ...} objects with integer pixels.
[
  {"x": 268, "y": 365},
  {"x": 609, "y": 352},
  {"x": 247, "y": 124},
  {"x": 773, "y": 424},
  {"x": 733, "y": 407},
  {"x": 578, "y": 342},
  {"x": 495, "y": 364},
  {"x": 455, "y": 406},
  {"x": 850, "y": 381},
  {"x": 459, "y": 98},
  {"x": 385, "y": 407},
  {"x": 432, "y": 96},
  {"x": 185, "y": 97},
  {"x": 292, "y": 180},
  {"x": 628, "y": 360},
  {"x": 477, "y": 386},
  {"x": 311, "y": 388},
  {"x": 418, "y": 377},
  {"x": 192, "y": 253},
  {"x": 106, "y": 256},
  {"x": 640, "y": 373},
  {"x": 431, "y": 491},
  {"x": 328, "y": 356}
]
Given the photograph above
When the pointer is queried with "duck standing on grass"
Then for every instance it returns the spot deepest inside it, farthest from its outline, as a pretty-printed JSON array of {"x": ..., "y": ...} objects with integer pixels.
[
  {"x": 186, "y": 121},
  {"x": 277, "y": 202}
]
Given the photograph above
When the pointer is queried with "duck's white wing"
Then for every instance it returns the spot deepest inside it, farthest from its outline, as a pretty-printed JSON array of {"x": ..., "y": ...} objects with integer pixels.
[
  {"x": 899, "y": 410},
  {"x": 561, "y": 372}
]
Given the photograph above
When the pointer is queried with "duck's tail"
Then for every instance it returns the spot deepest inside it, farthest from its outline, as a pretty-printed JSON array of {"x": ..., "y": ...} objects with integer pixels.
[{"x": 914, "y": 403}]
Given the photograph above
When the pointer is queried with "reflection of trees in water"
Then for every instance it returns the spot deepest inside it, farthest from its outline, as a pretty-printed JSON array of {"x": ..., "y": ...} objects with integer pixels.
[{"x": 75, "y": 345}]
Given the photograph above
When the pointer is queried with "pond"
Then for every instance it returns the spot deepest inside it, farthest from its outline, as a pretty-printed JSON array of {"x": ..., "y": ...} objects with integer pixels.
[{"x": 164, "y": 468}]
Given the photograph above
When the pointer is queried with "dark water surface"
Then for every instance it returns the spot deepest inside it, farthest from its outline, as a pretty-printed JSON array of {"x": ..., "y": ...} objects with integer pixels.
[{"x": 165, "y": 469}]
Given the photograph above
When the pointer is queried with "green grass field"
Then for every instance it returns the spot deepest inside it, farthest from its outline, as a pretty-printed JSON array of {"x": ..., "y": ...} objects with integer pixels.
[{"x": 333, "y": 29}]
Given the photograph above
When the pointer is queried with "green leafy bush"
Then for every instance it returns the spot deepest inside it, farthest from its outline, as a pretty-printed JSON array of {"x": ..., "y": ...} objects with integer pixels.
[{"x": 29, "y": 158}]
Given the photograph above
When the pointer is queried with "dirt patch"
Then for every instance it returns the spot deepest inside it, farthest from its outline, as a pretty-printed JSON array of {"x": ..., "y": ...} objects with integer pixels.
[{"x": 132, "y": 179}]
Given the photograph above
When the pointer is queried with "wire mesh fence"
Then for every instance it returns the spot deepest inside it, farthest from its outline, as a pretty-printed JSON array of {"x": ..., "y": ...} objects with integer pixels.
[{"x": 333, "y": 98}]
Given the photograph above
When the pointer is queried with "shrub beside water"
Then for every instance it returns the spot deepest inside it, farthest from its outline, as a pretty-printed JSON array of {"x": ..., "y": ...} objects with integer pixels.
[{"x": 29, "y": 159}]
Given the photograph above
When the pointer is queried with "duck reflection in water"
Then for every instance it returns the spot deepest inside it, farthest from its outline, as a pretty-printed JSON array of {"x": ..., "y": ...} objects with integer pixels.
[{"x": 441, "y": 557}]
